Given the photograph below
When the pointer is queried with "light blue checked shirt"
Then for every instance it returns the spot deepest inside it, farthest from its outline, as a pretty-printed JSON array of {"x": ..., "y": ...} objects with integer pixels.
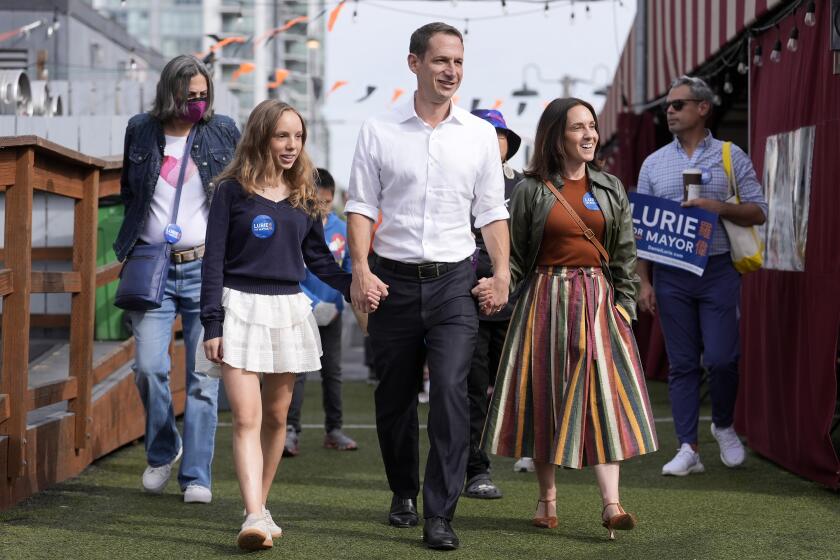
[{"x": 661, "y": 175}]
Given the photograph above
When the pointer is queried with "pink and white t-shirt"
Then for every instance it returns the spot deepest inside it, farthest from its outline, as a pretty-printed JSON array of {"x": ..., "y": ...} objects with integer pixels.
[{"x": 193, "y": 209}]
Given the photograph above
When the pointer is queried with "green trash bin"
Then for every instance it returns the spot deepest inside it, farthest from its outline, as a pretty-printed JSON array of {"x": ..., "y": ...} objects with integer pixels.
[{"x": 109, "y": 323}]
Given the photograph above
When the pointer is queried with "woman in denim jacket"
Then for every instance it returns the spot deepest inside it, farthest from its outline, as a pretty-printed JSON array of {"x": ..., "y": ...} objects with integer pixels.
[{"x": 154, "y": 147}]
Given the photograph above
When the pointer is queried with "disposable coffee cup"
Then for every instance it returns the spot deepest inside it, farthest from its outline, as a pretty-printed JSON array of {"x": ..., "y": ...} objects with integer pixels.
[{"x": 692, "y": 179}]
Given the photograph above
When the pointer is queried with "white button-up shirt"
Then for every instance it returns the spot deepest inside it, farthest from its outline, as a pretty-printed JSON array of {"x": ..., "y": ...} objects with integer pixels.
[{"x": 426, "y": 181}]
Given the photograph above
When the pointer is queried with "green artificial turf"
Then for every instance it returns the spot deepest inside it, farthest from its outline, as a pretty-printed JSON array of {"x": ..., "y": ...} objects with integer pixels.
[{"x": 333, "y": 505}]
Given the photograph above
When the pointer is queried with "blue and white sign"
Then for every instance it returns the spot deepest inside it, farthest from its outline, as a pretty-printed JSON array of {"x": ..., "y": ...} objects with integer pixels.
[
  {"x": 669, "y": 234},
  {"x": 262, "y": 226},
  {"x": 590, "y": 202},
  {"x": 172, "y": 233}
]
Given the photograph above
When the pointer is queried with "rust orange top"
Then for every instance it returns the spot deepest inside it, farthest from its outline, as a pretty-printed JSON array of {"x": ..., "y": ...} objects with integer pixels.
[{"x": 563, "y": 242}]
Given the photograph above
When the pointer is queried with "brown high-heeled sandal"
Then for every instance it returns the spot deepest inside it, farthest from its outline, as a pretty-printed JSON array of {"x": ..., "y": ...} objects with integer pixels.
[
  {"x": 621, "y": 521},
  {"x": 547, "y": 522}
]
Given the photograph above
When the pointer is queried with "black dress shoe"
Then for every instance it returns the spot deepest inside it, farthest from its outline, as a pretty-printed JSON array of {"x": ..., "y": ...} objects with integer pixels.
[
  {"x": 403, "y": 512},
  {"x": 438, "y": 534}
]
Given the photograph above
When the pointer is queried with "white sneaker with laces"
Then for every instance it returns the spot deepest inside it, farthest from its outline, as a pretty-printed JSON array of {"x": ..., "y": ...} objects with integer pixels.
[
  {"x": 197, "y": 494},
  {"x": 155, "y": 478},
  {"x": 524, "y": 464},
  {"x": 686, "y": 461},
  {"x": 254, "y": 534},
  {"x": 273, "y": 528},
  {"x": 732, "y": 452}
]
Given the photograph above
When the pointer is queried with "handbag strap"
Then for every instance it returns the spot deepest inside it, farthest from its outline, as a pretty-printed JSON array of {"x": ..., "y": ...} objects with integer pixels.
[
  {"x": 587, "y": 231},
  {"x": 727, "y": 168},
  {"x": 184, "y": 162}
]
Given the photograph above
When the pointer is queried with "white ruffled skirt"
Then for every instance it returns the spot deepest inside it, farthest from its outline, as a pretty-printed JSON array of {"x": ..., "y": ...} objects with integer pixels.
[{"x": 266, "y": 334}]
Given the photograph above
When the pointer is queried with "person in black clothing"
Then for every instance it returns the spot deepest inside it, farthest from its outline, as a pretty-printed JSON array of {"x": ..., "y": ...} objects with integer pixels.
[
  {"x": 491, "y": 329},
  {"x": 427, "y": 165},
  {"x": 263, "y": 231}
]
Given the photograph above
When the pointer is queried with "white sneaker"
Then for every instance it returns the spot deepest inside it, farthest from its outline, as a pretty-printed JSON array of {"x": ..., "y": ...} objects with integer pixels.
[
  {"x": 273, "y": 528},
  {"x": 731, "y": 449},
  {"x": 197, "y": 494},
  {"x": 686, "y": 462},
  {"x": 524, "y": 464},
  {"x": 254, "y": 534},
  {"x": 155, "y": 478}
]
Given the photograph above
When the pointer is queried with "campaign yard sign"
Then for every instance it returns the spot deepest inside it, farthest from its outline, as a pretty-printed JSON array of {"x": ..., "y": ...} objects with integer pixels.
[{"x": 669, "y": 234}]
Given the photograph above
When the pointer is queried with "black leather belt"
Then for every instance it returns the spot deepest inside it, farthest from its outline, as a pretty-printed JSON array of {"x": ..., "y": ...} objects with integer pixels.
[{"x": 422, "y": 271}]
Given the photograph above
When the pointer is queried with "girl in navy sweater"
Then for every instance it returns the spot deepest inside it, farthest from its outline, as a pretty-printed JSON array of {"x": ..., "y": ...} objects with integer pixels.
[{"x": 263, "y": 232}]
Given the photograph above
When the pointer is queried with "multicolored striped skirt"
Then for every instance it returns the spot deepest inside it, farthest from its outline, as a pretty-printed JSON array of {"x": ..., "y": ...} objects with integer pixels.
[{"x": 570, "y": 389}]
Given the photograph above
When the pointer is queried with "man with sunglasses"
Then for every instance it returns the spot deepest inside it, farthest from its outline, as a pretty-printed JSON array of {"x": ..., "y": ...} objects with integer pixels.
[{"x": 699, "y": 314}]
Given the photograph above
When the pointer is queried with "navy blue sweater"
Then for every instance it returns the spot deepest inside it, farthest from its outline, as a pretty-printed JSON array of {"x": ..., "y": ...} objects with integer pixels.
[{"x": 258, "y": 246}]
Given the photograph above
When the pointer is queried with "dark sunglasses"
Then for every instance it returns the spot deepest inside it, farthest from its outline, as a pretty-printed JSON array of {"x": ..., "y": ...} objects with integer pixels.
[{"x": 677, "y": 104}]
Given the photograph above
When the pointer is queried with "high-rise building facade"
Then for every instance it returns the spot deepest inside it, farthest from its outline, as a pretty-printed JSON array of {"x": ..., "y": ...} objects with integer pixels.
[{"x": 249, "y": 63}]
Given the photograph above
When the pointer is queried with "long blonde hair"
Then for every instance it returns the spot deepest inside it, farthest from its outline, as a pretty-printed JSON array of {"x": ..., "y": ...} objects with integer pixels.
[{"x": 254, "y": 164}]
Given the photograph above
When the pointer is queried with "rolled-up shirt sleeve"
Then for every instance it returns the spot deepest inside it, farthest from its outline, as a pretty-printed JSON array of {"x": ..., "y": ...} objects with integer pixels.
[
  {"x": 365, "y": 186},
  {"x": 489, "y": 192},
  {"x": 749, "y": 189}
]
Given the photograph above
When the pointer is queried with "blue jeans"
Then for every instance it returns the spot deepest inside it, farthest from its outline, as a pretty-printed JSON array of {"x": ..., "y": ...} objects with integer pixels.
[
  {"x": 152, "y": 333},
  {"x": 699, "y": 316}
]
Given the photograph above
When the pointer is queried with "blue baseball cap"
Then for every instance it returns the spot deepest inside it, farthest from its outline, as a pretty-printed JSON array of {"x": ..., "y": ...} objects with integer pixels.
[{"x": 495, "y": 118}]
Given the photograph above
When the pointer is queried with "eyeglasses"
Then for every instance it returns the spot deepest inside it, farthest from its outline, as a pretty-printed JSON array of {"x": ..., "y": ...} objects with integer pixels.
[{"x": 677, "y": 104}]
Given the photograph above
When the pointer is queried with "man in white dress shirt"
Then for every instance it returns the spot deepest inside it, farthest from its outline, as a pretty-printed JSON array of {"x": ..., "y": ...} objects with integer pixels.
[{"x": 426, "y": 165}]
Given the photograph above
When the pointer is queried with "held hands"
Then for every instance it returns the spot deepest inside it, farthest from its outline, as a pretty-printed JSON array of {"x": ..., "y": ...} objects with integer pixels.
[
  {"x": 366, "y": 291},
  {"x": 492, "y": 294}
]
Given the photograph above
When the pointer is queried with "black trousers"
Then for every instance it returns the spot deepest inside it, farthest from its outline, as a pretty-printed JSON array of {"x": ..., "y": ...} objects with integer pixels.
[
  {"x": 485, "y": 364},
  {"x": 330, "y": 380},
  {"x": 435, "y": 321}
]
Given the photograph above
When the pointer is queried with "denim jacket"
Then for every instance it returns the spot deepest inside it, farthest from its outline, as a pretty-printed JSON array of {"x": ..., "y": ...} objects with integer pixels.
[
  {"x": 213, "y": 147},
  {"x": 529, "y": 208}
]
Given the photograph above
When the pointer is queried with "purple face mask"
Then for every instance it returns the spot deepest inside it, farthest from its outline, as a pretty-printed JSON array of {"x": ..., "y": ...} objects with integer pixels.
[{"x": 195, "y": 109}]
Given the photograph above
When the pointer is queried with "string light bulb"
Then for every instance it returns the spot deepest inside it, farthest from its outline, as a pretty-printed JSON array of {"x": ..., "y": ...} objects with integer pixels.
[
  {"x": 54, "y": 26},
  {"x": 122, "y": 3},
  {"x": 743, "y": 68},
  {"x": 239, "y": 16},
  {"x": 757, "y": 56},
  {"x": 504, "y": 7},
  {"x": 776, "y": 53},
  {"x": 793, "y": 40},
  {"x": 132, "y": 64},
  {"x": 355, "y": 16},
  {"x": 727, "y": 85},
  {"x": 588, "y": 11},
  {"x": 545, "y": 10},
  {"x": 811, "y": 14},
  {"x": 466, "y": 27}
]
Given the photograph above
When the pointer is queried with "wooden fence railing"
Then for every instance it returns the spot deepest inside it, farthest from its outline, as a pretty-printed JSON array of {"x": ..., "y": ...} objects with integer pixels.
[{"x": 34, "y": 456}]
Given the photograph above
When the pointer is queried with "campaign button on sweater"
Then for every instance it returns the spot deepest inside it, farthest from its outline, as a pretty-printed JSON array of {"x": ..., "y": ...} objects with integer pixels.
[{"x": 262, "y": 226}]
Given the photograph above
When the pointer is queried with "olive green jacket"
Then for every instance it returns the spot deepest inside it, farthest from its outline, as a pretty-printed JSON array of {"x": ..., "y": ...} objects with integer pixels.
[{"x": 529, "y": 208}]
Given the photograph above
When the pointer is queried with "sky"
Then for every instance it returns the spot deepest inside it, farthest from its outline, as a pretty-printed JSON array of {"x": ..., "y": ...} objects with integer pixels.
[{"x": 373, "y": 51}]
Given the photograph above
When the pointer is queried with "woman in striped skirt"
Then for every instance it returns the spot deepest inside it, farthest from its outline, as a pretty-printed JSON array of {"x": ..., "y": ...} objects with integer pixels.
[{"x": 571, "y": 390}]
